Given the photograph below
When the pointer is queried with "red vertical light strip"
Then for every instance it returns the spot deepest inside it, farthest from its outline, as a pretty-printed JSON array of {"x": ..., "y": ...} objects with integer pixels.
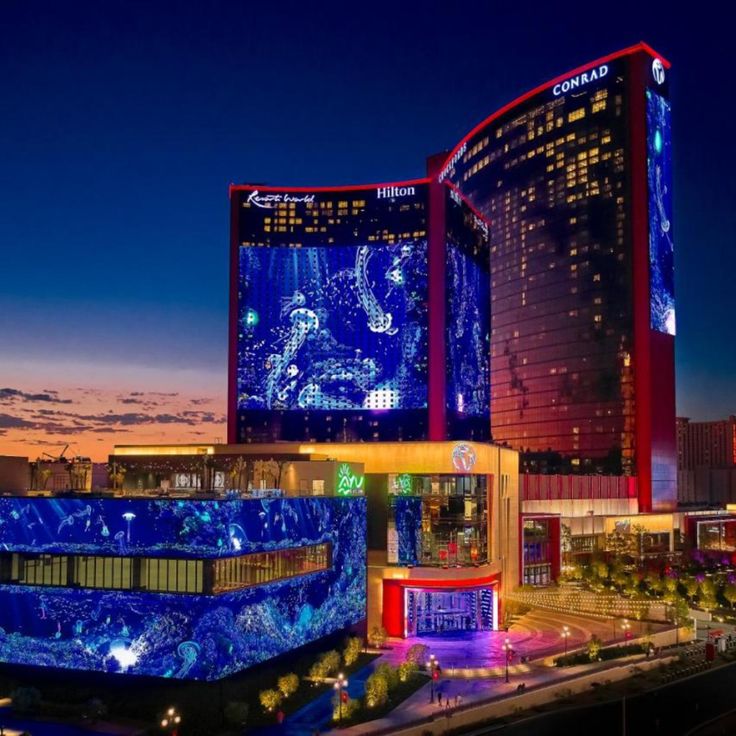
[
  {"x": 640, "y": 279},
  {"x": 232, "y": 387},
  {"x": 436, "y": 246}
]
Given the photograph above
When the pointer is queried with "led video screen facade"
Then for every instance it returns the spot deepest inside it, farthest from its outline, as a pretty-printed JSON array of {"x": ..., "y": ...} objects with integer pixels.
[
  {"x": 109, "y": 622},
  {"x": 661, "y": 243},
  {"x": 332, "y": 315},
  {"x": 468, "y": 320}
]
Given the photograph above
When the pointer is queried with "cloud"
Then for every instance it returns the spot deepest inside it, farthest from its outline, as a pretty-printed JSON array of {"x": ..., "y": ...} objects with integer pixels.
[{"x": 10, "y": 394}]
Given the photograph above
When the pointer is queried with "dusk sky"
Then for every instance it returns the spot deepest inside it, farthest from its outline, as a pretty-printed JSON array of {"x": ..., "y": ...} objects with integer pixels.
[{"x": 122, "y": 124}]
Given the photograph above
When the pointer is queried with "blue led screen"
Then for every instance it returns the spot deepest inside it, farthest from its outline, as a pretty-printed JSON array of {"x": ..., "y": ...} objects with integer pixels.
[
  {"x": 196, "y": 636},
  {"x": 407, "y": 512},
  {"x": 468, "y": 312},
  {"x": 333, "y": 328},
  {"x": 661, "y": 244},
  {"x": 161, "y": 527}
]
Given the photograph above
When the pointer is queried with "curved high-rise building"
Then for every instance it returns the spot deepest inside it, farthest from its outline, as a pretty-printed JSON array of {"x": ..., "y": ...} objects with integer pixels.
[
  {"x": 574, "y": 179},
  {"x": 522, "y": 292}
]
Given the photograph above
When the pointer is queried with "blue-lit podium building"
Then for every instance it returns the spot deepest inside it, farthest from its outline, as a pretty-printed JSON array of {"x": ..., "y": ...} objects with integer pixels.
[{"x": 176, "y": 588}]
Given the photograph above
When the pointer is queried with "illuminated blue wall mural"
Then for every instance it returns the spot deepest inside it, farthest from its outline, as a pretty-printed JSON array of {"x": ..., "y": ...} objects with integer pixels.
[
  {"x": 407, "y": 511},
  {"x": 179, "y": 635},
  {"x": 339, "y": 327},
  {"x": 661, "y": 244},
  {"x": 468, "y": 312}
]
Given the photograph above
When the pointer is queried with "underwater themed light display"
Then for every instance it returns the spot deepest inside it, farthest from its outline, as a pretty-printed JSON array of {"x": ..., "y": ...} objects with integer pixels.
[
  {"x": 407, "y": 515},
  {"x": 468, "y": 318},
  {"x": 661, "y": 243},
  {"x": 179, "y": 635},
  {"x": 342, "y": 327}
]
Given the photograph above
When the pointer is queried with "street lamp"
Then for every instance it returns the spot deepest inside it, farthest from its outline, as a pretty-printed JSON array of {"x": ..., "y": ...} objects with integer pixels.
[
  {"x": 433, "y": 667},
  {"x": 565, "y": 636},
  {"x": 508, "y": 651},
  {"x": 171, "y": 721},
  {"x": 340, "y": 684},
  {"x": 625, "y": 627}
]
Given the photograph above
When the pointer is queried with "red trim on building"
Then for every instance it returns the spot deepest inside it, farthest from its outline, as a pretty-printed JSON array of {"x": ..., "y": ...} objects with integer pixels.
[
  {"x": 640, "y": 280},
  {"x": 340, "y": 188},
  {"x": 393, "y": 596},
  {"x": 437, "y": 378},
  {"x": 232, "y": 383},
  {"x": 639, "y": 47}
]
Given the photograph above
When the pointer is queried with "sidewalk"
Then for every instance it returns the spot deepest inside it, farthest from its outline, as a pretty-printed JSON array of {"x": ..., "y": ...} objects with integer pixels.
[{"x": 417, "y": 709}]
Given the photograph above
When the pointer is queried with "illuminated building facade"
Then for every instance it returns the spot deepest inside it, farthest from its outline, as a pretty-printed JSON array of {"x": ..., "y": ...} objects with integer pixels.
[
  {"x": 178, "y": 588},
  {"x": 574, "y": 179},
  {"x": 358, "y": 314}
]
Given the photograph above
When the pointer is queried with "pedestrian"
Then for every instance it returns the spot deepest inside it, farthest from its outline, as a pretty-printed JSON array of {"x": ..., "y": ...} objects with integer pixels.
[
  {"x": 439, "y": 698},
  {"x": 457, "y": 700}
]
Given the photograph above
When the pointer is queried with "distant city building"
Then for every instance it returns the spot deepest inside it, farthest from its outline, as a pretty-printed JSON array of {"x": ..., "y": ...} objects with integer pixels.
[{"x": 706, "y": 461}]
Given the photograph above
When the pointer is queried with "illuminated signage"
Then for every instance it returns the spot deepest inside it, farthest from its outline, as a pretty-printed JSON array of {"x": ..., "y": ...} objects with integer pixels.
[
  {"x": 393, "y": 191},
  {"x": 579, "y": 80},
  {"x": 463, "y": 458},
  {"x": 268, "y": 201},
  {"x": 658, "y": 71},
  {"x": 451, "y": 163},
  {"x": 348, "y": 482}
]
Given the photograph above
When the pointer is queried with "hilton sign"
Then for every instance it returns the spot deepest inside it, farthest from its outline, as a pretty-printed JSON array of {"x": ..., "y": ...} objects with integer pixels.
[
  {"x": 392, "y": 191},
  {"x": 580, "y": 80}
]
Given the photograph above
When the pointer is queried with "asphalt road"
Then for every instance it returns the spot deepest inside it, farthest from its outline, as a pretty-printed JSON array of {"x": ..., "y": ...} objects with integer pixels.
[{"x": 672, "y": 710}]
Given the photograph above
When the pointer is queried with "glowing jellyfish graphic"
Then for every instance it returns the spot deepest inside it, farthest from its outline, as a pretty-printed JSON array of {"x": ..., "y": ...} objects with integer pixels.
[
  {"x": 128, "y": 516},
  {"x": 303, "y": 322},
  {"x": 463, "y": 458},
  {"x": 189, "y": 652},
  {"x": 378, "y": 320},
  {"x": 120, "y": 539}
]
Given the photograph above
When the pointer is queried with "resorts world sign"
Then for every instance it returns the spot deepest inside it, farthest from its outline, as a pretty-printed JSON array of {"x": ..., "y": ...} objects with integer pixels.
[{"x": 579, "y": 80}]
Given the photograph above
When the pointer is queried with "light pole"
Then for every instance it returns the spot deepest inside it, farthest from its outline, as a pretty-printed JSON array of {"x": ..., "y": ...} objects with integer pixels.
[
  {"x": 508, "y": 652},
  {"x": 171, "y": 721},
  {"x": 433, "y": 668},
  {"x": 565, "y": 636},
  {"x": 340, "y": 684},
  {"x": 625, "y": 627}
]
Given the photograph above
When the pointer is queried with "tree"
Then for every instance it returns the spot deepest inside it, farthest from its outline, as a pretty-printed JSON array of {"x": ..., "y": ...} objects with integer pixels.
[
  {"x": 376, "y": 690},
  {"x": 326, "y": 665},
  {"x": 353, "y": 647},
  {"x": 407, "y": 670},
  {"x": 378, "y": 637},
  {"x": 594, "y": 648},
  {"x": 288, "y": 684},
  {"x": 346, "y": 710},
  {"x": 239, "y": 473},
  {"x": 417, "y": 653},
  {"x": 236, "y": 713},
  {"x": 270, "y": 699},
  {"x": 729, "y": 593},
  {"x": 691, "y": 587},
  {"x": 389, "y": 673}
]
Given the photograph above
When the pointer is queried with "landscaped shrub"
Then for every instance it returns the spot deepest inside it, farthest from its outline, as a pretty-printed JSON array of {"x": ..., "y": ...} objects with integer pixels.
[
  {"x": 407, "y": 670},
  {"x": 353, "y": 647},
  {"x": 288, "y": 684},
  {"x": 389, "y": 673},
  {"x": 270, "y": 699},
  {"x": 417, "y": 653},
  {"x": 326, "y": 665},
  {"x": 378, "y": 637},
  {"x": 376, "y": 690}
]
